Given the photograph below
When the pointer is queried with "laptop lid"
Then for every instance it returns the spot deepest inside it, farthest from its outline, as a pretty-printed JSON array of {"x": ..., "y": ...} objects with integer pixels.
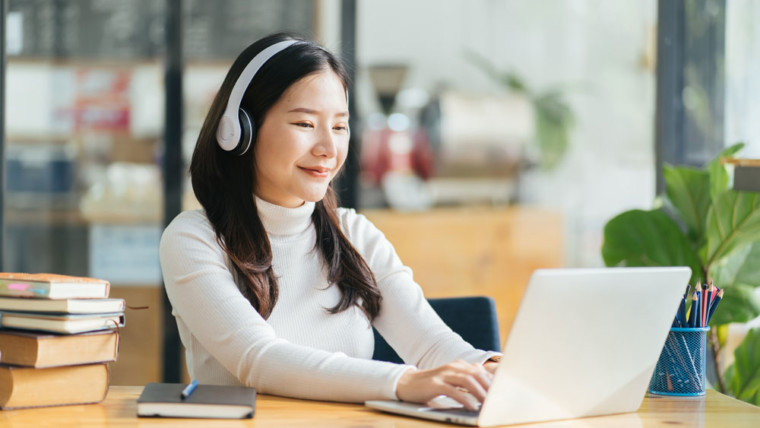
[{"x": 584, "y": 342}]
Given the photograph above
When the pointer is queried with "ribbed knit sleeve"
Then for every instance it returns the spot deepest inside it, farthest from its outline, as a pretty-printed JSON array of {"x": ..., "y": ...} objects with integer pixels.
[
  {"x": 406, "y": 320},
  {"x": 217, "y": 323}
]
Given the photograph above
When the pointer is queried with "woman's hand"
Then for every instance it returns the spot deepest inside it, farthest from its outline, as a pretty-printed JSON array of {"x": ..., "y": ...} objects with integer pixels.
[
  {"x": 454, "y": 380},
  {"x": 491, "y": 366}
]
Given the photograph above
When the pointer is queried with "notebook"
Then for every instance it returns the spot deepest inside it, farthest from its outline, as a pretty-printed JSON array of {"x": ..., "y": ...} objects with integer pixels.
[
  {"x": 584, "y": 342},
  {"x": 206, "y": 401}
]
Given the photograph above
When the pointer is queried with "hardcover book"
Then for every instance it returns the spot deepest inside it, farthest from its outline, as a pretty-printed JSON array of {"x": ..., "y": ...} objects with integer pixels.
[
  {"x": 51, "y": 286},
  {"x": 40, "y": 350},
  {"x": 29, "y": 387},
  {"x": 61, "y": 323},
  {"x": 206, "y": 401},
  {"x": 62, "y": 306}
]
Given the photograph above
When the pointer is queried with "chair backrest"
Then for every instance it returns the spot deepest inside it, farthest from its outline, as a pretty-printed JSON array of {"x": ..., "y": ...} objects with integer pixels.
[{"x": 473, "y": 318}]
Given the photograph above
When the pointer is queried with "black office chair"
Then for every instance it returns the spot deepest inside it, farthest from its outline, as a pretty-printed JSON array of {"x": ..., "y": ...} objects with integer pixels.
[{"x": 473, "y": 318}]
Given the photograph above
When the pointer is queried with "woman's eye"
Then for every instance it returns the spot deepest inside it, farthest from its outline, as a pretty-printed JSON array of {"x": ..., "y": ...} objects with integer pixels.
[
  {"x": 341, "y": 128},
  {"x": 303, "y": 124}
]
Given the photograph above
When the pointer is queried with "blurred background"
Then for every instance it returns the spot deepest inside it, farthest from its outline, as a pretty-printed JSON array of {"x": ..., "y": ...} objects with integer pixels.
[{"x": 489, "y": 137}]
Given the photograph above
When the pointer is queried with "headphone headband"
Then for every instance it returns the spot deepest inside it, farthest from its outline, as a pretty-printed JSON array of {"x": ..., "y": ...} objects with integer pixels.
[{"x": 228, "y": 132}]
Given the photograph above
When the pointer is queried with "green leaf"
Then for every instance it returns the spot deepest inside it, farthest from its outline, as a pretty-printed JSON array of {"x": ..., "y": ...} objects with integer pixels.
[
  {"x": 552, "y": 136},
  {"x": 743, "y": 377},
  {"x": 687, "y": 190},
  {"x": 648, "y": 238},
  {"x": 739, "y": 304},
  {"x": 719, "y": 178},
  {"x": 740, "y": 267},
  {"x": 733, "y": 221},
  {"x": 749, "y": 273},
  {"x": 507, "y": 79}
]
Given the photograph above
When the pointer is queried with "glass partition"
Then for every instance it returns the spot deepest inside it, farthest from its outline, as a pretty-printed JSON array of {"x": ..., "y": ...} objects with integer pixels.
[{"x": 84, "y": 138}]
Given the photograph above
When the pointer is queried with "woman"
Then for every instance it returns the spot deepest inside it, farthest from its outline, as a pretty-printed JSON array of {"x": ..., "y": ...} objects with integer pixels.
[{"x": 271, "y": 284}]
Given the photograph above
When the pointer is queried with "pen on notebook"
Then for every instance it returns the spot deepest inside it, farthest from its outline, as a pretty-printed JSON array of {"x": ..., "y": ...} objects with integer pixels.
[{"x": 189, "y": 389}]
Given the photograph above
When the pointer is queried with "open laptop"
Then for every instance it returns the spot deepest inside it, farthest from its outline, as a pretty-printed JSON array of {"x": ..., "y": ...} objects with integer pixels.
[{"x": 584, "y": 342}]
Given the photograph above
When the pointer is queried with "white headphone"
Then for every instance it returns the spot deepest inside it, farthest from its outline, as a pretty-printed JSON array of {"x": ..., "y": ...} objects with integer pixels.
[{"x": 236, "y": 128}]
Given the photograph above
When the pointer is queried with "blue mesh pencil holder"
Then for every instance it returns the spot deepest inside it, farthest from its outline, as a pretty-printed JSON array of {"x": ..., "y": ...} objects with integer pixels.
[{"x": 681, "y": 367}]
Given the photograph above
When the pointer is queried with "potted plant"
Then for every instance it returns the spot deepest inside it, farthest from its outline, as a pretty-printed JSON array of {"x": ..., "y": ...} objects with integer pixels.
[
  {"x": 701, "y": 223},
  {"x": 553, "y": 115}
]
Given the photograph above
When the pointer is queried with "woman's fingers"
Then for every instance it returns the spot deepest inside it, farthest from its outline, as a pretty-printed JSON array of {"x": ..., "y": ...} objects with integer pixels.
[
  {"x": 469, "y": 383},
  {"x": 462, "y": 397},
  {"x": 478, "y": 373},
  {"x": 463, "y": 382}
]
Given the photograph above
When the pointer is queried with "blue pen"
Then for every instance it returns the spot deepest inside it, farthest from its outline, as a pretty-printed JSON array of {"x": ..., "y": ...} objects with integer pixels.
[{"x": 189, "y": 389}]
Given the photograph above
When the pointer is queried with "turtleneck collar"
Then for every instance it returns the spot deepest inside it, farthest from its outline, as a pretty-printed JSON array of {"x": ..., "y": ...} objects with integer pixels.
[{"x": 279, "y": 220}]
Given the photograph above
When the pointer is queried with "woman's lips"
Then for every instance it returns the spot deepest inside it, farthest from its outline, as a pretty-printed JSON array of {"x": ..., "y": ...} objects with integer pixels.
[{"x": 316, "y": 171}]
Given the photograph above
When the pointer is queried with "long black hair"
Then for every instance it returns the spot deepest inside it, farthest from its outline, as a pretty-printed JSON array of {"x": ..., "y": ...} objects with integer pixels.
[{"x": 224, "y": 185}]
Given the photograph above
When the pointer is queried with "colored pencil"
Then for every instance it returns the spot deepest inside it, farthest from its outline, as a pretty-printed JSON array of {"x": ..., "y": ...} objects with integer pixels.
[
  {"x": 682, "y": 307},
  {"x": 693, "y": 311},
  {"x": 714, "y": 305},
  {"x": 704, "y": 306}
]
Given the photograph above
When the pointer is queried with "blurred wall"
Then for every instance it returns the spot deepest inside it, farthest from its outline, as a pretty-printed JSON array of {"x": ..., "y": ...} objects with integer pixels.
[{"x": 601, "y": 53}]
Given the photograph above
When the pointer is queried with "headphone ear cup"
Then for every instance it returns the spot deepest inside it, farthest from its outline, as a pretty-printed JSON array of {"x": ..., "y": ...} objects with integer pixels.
[{"x": 247, "y": 131}]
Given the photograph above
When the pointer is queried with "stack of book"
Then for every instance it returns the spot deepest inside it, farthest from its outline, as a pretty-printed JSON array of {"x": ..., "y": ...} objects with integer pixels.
[{"x": 57, "y": 334}]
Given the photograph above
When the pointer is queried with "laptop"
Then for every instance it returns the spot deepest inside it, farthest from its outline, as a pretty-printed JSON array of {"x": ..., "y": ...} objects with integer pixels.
[{"x": 584, "y": 342}]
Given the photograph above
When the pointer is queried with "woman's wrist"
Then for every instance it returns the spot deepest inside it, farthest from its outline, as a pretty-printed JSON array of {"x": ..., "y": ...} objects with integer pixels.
[{"x": 403, "y": 380}]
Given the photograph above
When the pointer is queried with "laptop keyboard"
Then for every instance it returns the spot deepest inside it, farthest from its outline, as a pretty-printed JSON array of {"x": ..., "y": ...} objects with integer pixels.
[{"x": 458, "y": 412}]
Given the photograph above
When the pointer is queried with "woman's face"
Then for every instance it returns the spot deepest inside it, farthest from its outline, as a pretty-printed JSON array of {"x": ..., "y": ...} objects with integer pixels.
[{"x": 303, "y": 141}]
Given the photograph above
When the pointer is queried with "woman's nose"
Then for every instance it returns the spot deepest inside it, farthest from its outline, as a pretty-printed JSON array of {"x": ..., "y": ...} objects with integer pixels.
[{"x": 326, "y": 144}]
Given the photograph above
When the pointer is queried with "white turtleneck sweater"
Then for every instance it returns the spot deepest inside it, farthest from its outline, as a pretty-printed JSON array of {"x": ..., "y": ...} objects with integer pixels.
[{"x": 301, "y": 350}]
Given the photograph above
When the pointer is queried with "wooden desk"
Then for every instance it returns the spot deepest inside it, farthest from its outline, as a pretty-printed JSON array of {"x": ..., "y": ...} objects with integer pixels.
[{"x": 120, "y": 409}]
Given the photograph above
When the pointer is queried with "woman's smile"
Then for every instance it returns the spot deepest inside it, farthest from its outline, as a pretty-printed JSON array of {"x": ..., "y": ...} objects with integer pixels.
[{"x": 316, "y": 171}]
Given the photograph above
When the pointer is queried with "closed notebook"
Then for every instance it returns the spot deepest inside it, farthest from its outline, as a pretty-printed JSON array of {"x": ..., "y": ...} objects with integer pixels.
[
  {"x": 61, "y": 323},
  {"x": 207, "y": 401},
  {"x": 63, "y": 306},
  {"x": 52, "y": 286},
  {"x": 32, "y": 349},
  {"x": 30, "y": 387}
]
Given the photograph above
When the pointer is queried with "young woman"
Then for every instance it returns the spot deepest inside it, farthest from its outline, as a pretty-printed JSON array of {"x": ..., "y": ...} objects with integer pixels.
[{"x": 271, "y": 284}]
